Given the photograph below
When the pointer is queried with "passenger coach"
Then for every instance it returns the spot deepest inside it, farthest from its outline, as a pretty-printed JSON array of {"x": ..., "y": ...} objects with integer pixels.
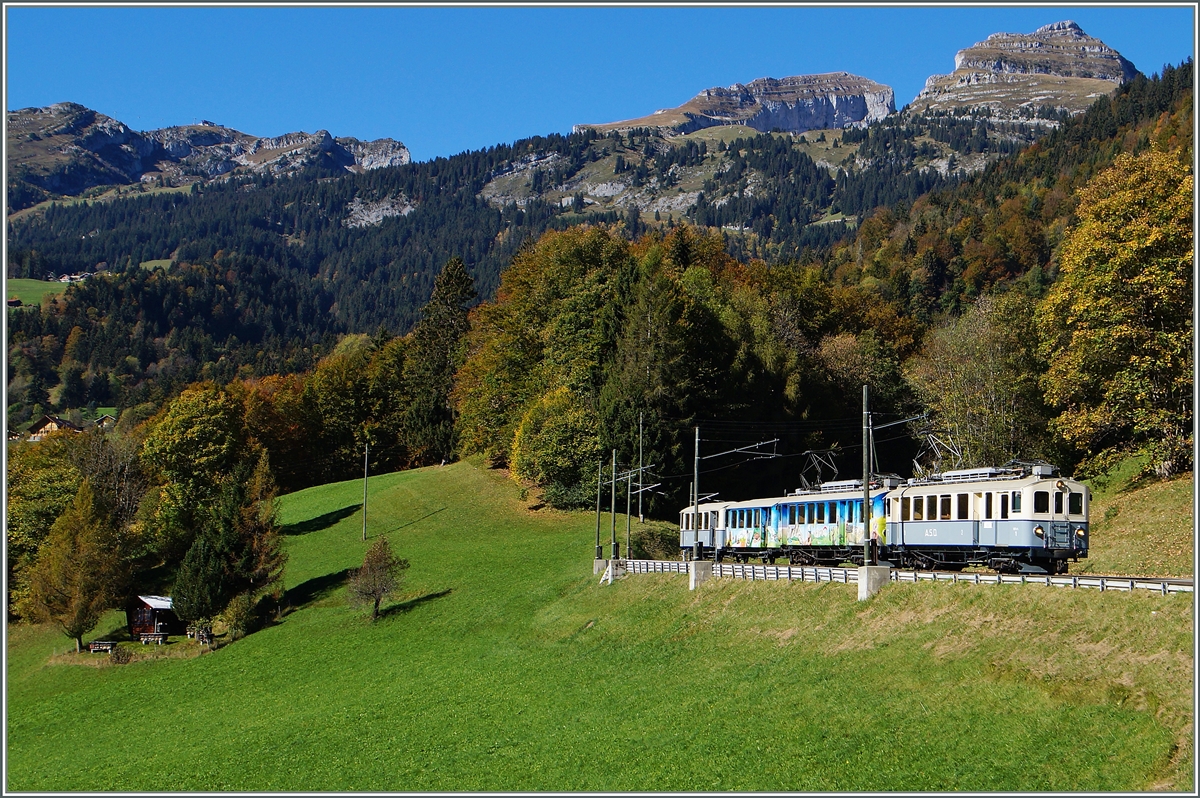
[{"x": 1016, "y": 518}]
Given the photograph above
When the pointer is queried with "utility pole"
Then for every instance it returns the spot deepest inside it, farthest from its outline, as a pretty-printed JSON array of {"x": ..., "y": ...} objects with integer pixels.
[
  {"x": 696, "y": 549},
  {"x": 641, "y": 518},
  {"x": 599, "y": 483},
  {"x": 866, "y": 513},
  {"x": 628, "y": 490},
  {"x": 366, "y": 449},
  {"x": 616, "y": 547}
]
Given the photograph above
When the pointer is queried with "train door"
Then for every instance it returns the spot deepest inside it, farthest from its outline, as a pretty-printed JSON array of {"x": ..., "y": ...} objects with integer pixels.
[{"x": 1058, "y": 536}]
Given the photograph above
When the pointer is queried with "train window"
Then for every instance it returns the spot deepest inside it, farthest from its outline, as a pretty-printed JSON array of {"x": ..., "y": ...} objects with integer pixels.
[
  {"x": 833, "y": 512},
  {"x": 1004, "y": 505},
  {"x": 918, "y": 508},
  {"x": 729, "y": 518},
  {"x": 1075, "y": 504},
  {"x": 1041, "y": 501},
  {"x": 905, "y": 508},
  {"x": 792, "y": 514},
  {"x": 987, "y": 505},
  {"x": 757, "y": 517},
  {"x": 887, "y": 508},
  {"x": 963, "y": 505},
  {"x": 945, "y": 514},
  {"x": 1057, "y": 503},
  {"x": 1016, "y": 501},
  {"x": 821, "y": 513}
]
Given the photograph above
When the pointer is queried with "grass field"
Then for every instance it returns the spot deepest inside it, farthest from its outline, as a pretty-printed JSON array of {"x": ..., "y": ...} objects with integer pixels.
[
  {"x": 504, "y": 666},
  {"x": 30, "y": 292}
]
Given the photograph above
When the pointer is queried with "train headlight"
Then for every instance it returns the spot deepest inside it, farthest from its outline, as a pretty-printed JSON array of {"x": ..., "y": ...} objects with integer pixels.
[
  {"x": 1041, "y": 533},
  {"x": 1079, "y": 532},
  {"x": 1060, "y": 485}
]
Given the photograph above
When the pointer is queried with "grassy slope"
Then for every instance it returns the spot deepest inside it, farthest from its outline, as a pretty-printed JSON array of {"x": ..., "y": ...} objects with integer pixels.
[
  {"x": 504, "y": 666},
  {"x": 31, "y": 292},
  {"x": 1144, "y": 530}
]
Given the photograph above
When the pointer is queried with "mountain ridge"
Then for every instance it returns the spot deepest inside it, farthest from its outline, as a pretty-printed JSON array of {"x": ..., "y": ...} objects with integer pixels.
[{"x": 67, "y": 148}]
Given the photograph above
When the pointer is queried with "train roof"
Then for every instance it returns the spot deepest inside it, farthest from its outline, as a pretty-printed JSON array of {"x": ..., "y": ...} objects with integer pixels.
[{"x": 1016, "y": 470}]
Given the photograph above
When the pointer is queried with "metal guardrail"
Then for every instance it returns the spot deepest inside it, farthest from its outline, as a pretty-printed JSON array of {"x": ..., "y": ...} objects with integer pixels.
[{"x": 809, "y": 573}]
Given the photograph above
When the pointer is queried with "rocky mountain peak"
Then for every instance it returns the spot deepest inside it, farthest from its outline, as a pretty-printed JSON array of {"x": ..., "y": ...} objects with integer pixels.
[
  {"x": 1058, "y": 65},
  {"x": 793, "y": 104}
]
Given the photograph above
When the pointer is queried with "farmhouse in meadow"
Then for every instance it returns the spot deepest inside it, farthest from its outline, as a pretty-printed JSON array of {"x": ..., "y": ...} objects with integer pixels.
[{"x": 48, "y": 424}]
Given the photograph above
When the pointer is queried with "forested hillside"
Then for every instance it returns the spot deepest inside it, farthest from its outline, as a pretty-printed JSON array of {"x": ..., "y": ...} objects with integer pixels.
[{"x": 1037, "y": 309}]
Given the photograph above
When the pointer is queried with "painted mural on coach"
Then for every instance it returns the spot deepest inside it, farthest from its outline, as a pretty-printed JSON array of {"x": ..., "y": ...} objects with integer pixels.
[{"x": 1021, "y": 517}]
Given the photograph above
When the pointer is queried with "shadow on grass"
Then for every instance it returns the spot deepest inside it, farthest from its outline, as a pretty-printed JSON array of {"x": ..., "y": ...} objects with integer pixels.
[
  {"x": 413, "y": 603},
  {"x": 408, "y": 523},
  {"x": 316, "y": 588},
  {"x": 321, "y": 521}
]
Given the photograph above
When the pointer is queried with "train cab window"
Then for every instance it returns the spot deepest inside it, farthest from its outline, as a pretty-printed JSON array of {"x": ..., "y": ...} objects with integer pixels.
[
  {"x": 833, "y": 512},
  {"x": 1004, "y": 505},
  {"x": 1041, "y": 501},
  {"x": 905, "y": 508},
  {"x": 1058, "y": 503},
  {"x": 987, "y": 505},
  {"x": 963, "y": 507},
  {"x": 945, "y": 513},
  {"x": 821, "y": 513},
  {"x": 918, "y": 508},
  {"x": 1016, "y": 501},
  {"x": 1075, "y": 504}
]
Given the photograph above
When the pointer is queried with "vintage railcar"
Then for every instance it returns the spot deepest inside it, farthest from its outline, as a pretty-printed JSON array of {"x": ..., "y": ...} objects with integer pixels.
[{"x": 1021, "y": 517}]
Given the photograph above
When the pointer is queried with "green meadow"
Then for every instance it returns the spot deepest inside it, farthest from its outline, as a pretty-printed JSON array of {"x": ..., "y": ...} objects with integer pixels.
[
  {"x": 30, "y": 292},
  {"x": 503, "y": 665}
]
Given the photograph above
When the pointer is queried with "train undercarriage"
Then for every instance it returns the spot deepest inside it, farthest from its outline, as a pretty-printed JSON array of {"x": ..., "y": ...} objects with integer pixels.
[{"x": 1003, "y": 560}]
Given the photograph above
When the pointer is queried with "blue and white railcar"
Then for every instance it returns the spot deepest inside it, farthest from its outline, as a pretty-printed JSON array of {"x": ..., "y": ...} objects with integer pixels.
[
  {"x": 1008, "y": 519},
  {"x": 708, "y": 525}
]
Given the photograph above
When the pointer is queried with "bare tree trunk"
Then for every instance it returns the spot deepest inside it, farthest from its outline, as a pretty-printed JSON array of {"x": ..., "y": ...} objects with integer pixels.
[{"x": 78, "y": 644}]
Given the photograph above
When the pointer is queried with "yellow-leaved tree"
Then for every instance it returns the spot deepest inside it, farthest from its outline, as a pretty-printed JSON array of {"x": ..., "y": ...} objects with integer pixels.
[{"x": 1116, "y": 327}]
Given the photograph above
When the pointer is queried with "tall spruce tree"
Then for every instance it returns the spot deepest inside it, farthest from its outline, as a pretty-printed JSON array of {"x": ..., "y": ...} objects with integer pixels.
[{"x": 434, "y": 353}]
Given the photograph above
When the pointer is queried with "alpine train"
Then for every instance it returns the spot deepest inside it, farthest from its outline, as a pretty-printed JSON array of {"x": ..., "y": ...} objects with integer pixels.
[{"x": 1022, "y": 517}]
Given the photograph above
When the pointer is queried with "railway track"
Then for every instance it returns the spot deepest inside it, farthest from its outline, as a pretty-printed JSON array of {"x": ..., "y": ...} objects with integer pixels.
[{"x": 810, "y": 573}]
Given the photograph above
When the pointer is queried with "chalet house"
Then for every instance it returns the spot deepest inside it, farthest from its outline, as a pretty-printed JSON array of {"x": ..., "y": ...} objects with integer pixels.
[
  {"x": 105, "y": 422},
  {"x": 48, "y": 424},
  {"x": 149, "y": 614}
]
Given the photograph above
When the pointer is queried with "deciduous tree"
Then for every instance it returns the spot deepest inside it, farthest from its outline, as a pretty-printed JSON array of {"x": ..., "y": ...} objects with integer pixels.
[
  {"x": 378, "y": 577},
  {"x": 1116, "y": 328}
]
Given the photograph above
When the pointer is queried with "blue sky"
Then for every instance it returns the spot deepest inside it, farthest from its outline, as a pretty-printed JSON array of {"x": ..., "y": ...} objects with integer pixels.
[{"x": 447, "y": 79}]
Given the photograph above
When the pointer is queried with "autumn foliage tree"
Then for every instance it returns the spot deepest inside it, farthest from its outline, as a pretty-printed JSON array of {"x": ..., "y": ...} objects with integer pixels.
[
  {"x": 1116, "y": 328},
  {"x": 80, "y": 571},
  {"x": 378, "y": 577}
]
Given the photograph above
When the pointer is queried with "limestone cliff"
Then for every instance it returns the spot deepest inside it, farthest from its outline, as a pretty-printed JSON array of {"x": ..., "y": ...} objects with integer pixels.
[
  {"x": 793, "y": 104},
  {"x": 1014, "y": 74}
]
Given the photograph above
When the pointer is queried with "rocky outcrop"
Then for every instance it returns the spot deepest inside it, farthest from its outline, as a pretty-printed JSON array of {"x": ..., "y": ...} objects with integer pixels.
[
  {"x": 377, "y": 154},
  {"x": 794, "y": 104},
  {"x": 1014, "y": 74},
  {"x": 370, "y": 214},
  {"x": 66, "y": 148}
]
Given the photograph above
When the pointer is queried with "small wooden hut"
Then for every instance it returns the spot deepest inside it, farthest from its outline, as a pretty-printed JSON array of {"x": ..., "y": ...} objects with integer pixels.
[{"x": 152, "y": 614}]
